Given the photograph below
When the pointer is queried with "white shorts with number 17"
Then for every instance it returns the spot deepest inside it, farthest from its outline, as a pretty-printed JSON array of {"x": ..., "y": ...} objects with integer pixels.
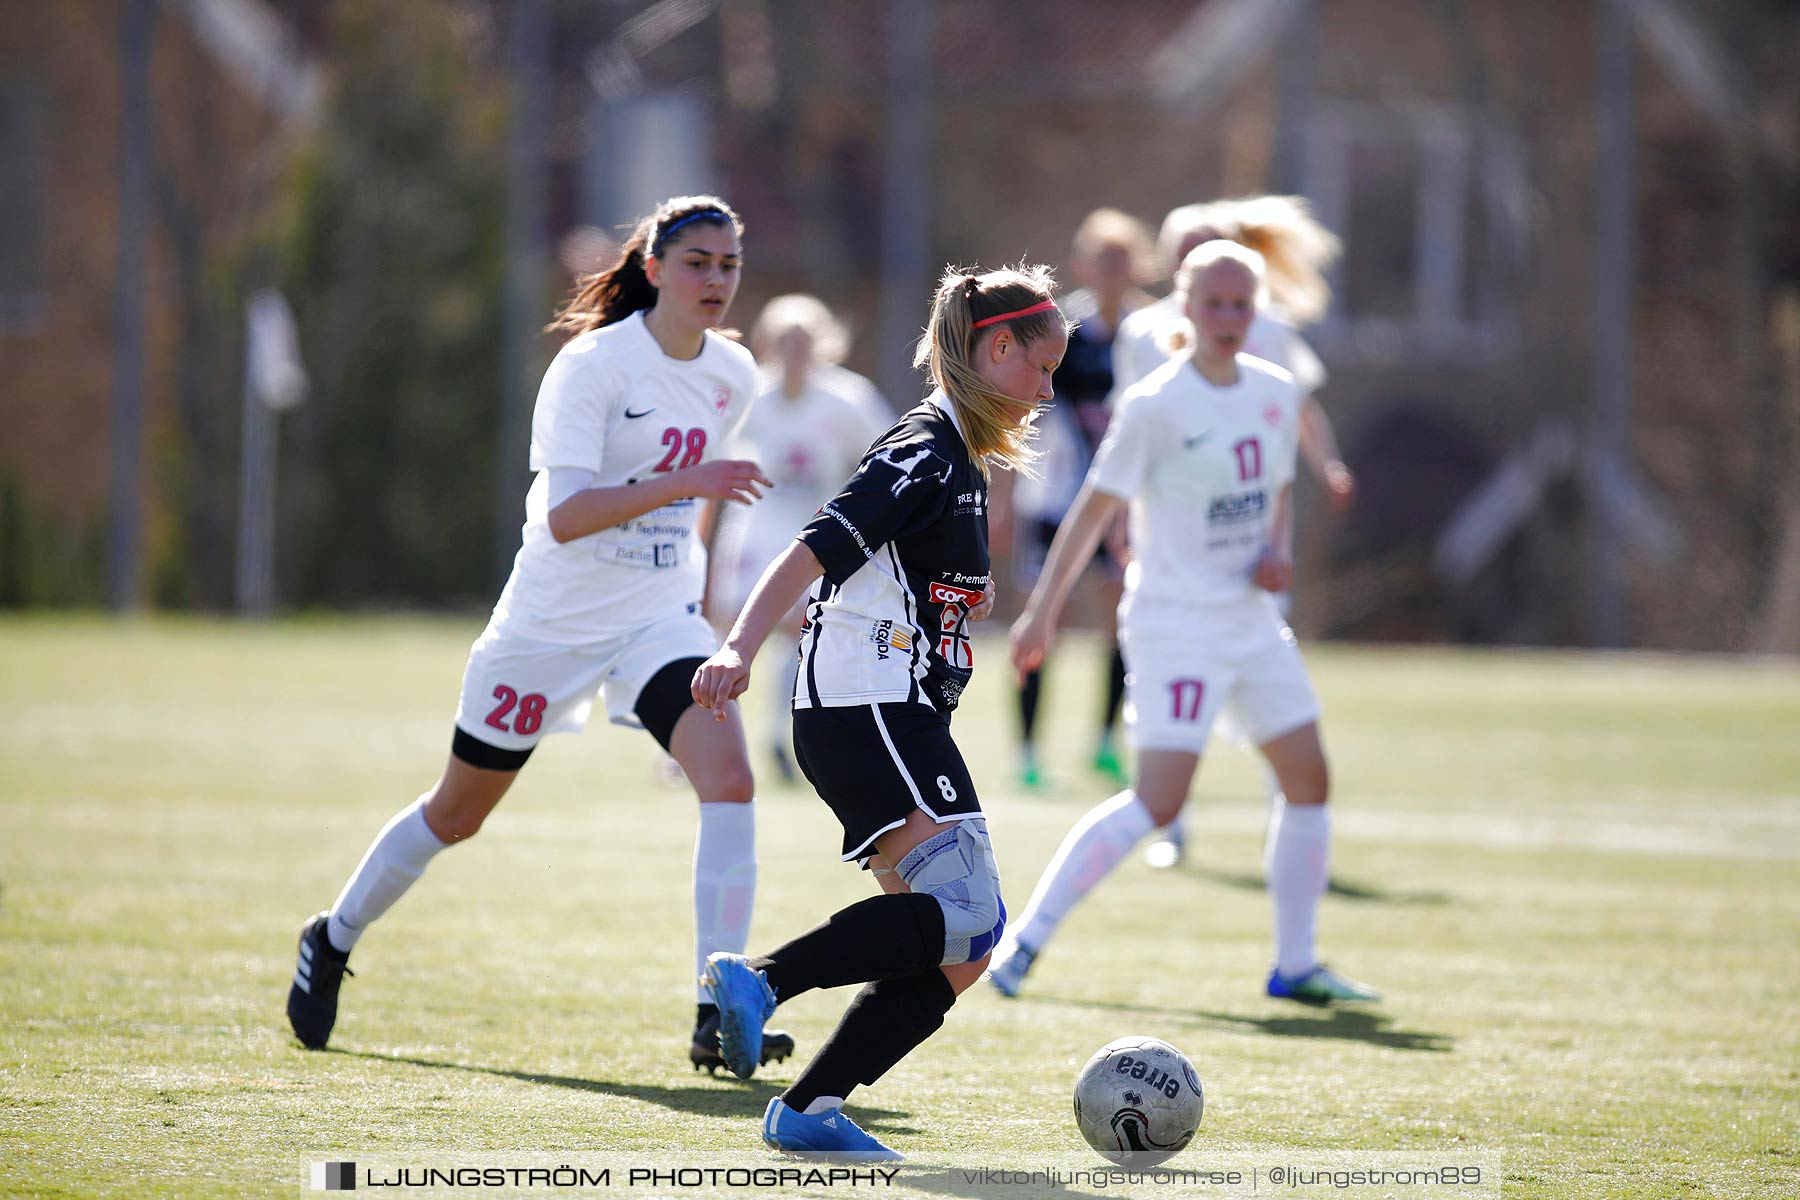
[
  {"x": 515, "y": 690},
  {"x": 1182, "y": 673}
]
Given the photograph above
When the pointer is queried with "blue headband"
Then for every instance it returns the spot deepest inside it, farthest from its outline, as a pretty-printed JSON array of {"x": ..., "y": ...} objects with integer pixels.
[{"x": 662, "y": 239}]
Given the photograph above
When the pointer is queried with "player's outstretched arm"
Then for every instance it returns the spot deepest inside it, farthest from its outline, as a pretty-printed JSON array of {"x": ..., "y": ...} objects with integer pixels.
[
  {"x": 594, "y": 509},
  {"x": 1075, "y": 543},
  {"x": 726, "y": 674},
  {"x": 1319, "y": 447}
]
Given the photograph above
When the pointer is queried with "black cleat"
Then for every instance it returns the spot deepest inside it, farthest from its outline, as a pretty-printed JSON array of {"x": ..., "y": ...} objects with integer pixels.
[
  {"x": 704, "y": 1052},
  {"x": 312, "y": 1001}
]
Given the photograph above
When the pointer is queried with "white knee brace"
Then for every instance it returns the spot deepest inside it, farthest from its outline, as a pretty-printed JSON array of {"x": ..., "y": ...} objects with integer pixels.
[{"x": 956, "y": 868}]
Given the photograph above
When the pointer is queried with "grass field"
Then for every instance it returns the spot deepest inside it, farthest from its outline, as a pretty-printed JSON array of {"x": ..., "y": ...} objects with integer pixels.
[{"x": 1577, "y": 879}]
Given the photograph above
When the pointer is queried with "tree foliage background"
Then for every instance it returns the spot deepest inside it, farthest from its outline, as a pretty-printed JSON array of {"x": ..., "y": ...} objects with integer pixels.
[{"x": 388, "y": 244}]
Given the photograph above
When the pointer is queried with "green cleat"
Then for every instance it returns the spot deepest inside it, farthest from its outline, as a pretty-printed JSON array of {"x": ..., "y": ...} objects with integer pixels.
[
  {"x": 1321, "y": 985},
  {"x": 1106, "y": 762}
]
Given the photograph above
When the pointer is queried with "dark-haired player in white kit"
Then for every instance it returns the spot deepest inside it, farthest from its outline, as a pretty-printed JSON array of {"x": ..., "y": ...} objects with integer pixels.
[
  {"x": 1203, "y": 452},
  {"x": 898, "y": 566},
  {"x": 605, "y": 592}
]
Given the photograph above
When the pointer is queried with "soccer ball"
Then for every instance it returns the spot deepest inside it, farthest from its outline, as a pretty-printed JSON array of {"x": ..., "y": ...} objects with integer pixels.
[{"x": 1138, "y": 1101}]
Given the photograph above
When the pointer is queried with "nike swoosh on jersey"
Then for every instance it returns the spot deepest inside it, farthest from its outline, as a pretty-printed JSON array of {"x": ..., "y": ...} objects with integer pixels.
[
  {"x": 1197, "y": 439},
  {"x": 629, "y": 414}
]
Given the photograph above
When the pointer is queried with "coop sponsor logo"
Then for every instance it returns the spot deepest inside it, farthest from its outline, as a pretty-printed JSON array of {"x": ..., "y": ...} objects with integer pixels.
[{"x": 943, "y": 593}]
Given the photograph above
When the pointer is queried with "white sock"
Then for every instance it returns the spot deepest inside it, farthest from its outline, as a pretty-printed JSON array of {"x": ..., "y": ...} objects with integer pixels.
[
  {"x": 395, "y": 859},
  {"x": 824, "y": 1104},
  {"x": 1275, "y": 799},
  {"x": 724, "y": 883},
  {"x": 1097, "y": 844},
  {"x": 1297, "y": 862}
]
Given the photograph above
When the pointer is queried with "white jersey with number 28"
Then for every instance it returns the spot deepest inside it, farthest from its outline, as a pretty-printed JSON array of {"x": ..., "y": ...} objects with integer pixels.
[{"x": 612, "y": 403}]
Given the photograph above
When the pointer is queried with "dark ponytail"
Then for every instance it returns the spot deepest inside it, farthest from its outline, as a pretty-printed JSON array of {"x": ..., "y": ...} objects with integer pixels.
[{"x": 623, "y": 288}]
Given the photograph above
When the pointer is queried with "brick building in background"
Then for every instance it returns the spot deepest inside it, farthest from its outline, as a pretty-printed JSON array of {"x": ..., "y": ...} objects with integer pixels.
[
  {"x": 228, "y": 95},
  {"x": 1459, "y": 148}
]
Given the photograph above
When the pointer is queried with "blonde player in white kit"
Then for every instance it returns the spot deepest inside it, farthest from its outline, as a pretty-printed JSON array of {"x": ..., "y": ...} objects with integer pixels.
[
  {"x": 1203, "y": 451},
  {"x": 812, "y": 422},
  {"x": 1296, "y": 252},
  {"x": 605, "y": 592}
]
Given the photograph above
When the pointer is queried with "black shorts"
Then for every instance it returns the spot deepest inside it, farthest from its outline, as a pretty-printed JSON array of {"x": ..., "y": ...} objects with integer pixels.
[{"x": 875, "y": 763}]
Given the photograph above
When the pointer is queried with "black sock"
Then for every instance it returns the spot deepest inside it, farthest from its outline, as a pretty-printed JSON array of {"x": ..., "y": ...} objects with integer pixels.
[
  {"x": 881, "y": 1027},
  {"x": 704, "y": 1013},
  {"x": 1029, "y": 692},
  {"x": 1115, "y": 690},
  {"x": 878, "y": 938}
]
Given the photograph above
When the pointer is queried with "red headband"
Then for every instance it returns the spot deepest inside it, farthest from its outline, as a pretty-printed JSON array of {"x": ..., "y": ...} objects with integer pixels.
[{"x": 1041, "y": 306}]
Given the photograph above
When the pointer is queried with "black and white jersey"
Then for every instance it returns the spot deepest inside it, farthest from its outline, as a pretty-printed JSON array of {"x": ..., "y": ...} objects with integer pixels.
[{"x": 905, "y": 552}]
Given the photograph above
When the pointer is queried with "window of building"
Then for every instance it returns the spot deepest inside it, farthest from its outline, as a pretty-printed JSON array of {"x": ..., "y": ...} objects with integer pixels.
[{"x": 1429, "y": 203}]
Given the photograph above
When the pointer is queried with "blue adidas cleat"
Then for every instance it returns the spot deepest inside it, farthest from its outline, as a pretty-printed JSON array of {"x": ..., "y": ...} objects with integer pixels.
[
  {"x": 745, "y": 1001},
  {"x": 1321, "y": 985},
  {"x": 829, "y": 1132}
]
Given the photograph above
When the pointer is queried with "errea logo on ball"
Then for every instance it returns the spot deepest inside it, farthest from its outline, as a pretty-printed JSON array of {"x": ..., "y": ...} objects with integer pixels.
[{"x": 334, "y": 1177}]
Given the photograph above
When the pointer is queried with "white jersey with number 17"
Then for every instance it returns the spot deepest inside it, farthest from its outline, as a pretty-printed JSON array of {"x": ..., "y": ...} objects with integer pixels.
[
  {"x": 613, "y": 404},
  {"x": 1203, "y": 467}
]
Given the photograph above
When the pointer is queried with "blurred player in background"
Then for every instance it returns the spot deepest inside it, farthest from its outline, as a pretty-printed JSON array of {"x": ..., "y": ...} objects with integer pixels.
[
  {"x": 1298, "y": 251},
  {"x": 1202, "y": 451},
  {"x": 1109, "y": 259},
  {"x": 605, "y": 592},
  {"x": 898, "y": 566},
  {"x": 809, "y": 428}
]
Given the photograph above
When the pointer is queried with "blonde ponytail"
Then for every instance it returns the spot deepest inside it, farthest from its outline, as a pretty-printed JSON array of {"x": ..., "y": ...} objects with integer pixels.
[
  {"x": 1297, "y": 248},
  {"x": 1020, "y": 299}
]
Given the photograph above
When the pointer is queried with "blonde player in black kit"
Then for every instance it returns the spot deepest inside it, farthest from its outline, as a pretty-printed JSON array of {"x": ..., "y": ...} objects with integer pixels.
[{"x": 897, "y": 564}]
